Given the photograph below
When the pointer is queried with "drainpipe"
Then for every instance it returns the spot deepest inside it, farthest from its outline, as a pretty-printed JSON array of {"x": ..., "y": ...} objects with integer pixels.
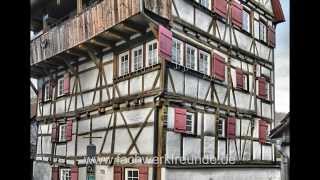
[{"x": 285, "y": 162}]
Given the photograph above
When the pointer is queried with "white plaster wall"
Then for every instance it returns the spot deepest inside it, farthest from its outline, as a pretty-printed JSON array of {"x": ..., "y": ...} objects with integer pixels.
[
  {"x": 173, "y": 144},
  {"x": 41, "y": 171},
  {"x": 223, "y": 174},
  {"x": 191, "y": 84},
  {"x": 221, "y": 150},
  {"x": 185, "y": 10},
  {"x": 191, "y": 147},
  {"x": 203, "y": 20},
  {"x": 209, "y": 125},
  {"x": 203, "y": 87},
  {"x": 104, "y": 172}
]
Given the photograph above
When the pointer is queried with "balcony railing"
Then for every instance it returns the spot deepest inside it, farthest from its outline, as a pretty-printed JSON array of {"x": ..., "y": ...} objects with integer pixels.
[{"x": 81, "y": 28}]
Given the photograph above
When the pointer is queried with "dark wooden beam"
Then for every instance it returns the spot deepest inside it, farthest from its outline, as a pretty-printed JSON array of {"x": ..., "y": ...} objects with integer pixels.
[
  {"x": 120, "y": 34},
  {"x": 134, "y": 27},
  {"x": 77, "y": 52}
]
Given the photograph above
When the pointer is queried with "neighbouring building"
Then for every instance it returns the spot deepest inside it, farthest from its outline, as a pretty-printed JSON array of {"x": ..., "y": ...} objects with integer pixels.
[
  {"x": 281, "y": 134},
  {"x": 169, "y": 78}
]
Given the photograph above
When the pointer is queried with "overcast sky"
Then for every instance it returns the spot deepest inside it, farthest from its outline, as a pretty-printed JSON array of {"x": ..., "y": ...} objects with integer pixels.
[{"x": 282, "y": 61}]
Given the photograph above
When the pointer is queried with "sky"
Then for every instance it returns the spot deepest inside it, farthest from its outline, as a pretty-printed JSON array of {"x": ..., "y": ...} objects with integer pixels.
[{"x": 282, "y": 73}]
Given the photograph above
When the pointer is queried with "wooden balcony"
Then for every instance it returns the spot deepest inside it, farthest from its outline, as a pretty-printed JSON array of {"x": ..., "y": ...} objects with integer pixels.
[{"x": 82, "y": 28}]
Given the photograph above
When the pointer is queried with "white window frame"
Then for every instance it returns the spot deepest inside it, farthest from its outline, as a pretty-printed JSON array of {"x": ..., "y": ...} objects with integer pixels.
[
  {"x": 65, "y": 174},
  {"x": 256, "y": 29},
  {"x": 192, "y": 120},
  {"x": 244, "y": 19},
  {"x": 123, "y": 64},
  {"x": 62, "y": 132},
  {"x": 140, "y": 61},
  {"x": 127, "y": 173},
  {"x": 262, "y": 31},
  {"x": 152, "y": 54},
  {"x": 60, "y": 87},
  {"x": 188, "y": 64},
  {"x": 205, "y": 3},
  {"x": 206, "y": 65},
  {"x": 46, "y": 91},
  {"x": 178, "y": 55}
]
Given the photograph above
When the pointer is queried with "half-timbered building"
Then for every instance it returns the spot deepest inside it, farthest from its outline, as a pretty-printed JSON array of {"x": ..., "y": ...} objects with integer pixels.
[{"x": 150, "y": 78}]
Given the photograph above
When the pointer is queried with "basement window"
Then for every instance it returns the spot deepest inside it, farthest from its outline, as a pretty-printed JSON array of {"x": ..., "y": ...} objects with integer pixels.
[
  {"x": 137, "y": 56},
  {"x": 152, "y": 53},
  {"x": 60, "y": 87},
  {"x": 65, "y": 174},
  {"x": 190, "y": 123},
  {"x": 131, "y": 174},
  {"x": 177, "y": 51},
  {"x": 124, "y": 63},
  {"x": 191, "y": 56},
  {"x": 204, "y": 63},
  {"x": 62, "y": 132}
]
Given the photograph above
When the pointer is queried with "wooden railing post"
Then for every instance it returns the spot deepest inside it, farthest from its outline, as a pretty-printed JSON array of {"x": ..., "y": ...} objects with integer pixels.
[{"x": 79, "y": 6}]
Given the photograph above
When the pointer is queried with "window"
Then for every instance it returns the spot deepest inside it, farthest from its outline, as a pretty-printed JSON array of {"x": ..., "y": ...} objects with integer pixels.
[
  {"x": 152, "y": 53},
  {"x": 132, "y": 174},
  {"x": 204, "y": 62},
  {"x": 124, "y": 63},
  {"x": 205, "y": 3},
  {"x": 256, "y": 29},
  {"x": 65, "y": 174},
  {"x": 60, "y": 86},
  {"x": 263, "y": 31},
  {"x": 137, "y": 56},
  {"x": 177, "y": 51},
  {"x": 246, "y": 22},
  {"x": 62, "y": 132},
  {"x": 47, "y": 92},
  {"x": 191, "y": 56},
  {"x": 221, "y": 127},
  {"x": 190, "y": 123}
]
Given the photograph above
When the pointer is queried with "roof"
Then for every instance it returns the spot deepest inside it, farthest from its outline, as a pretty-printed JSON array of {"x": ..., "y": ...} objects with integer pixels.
[{"x": 284, "y": 124}]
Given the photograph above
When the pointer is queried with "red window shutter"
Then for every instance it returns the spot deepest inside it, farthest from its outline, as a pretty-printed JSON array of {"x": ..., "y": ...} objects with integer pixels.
[
  {"x": 69, "y": 130},
  {"x": 74, "y": 172},
  {"x": 218, "y": 67},
  {"x": 271, "y": 36},
  {"x": 66, "y": 83},
  {"x": 239, "y": 78},
  {"x": 180, "y": 119},
  {"x": 262, "y": 87},
  {"x": 263, "y": 127},
  {"x": 236, "y": 12},
  {"x": 143, "y": 173},
  {"x": 277, "y": 11},
  {"x": 55, "y": 173},
  {"x": 165, "y": 42},
  {"x": 54, "y": 133},
  {"x": 231, "y": 127},
  {"x": 117, "y": 173},
  {"x": 220, "y": 7}
]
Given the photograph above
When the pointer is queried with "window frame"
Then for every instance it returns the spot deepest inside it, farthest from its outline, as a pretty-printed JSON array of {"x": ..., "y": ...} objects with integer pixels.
[
  {"x": 254, "y": 29},
  {"x": 46, "y": 91},
  {"x": 193, "y": 123},
  {"x": 156, "y": 55},
  {"x": 60, "y": 86},
  {"x": 180, "y": 62},
  {"x": 126, "y": 53},
  {"x": 62, "y": 136},
  {"x": 244, "y": 11},
  {"x": 262, "y": 23},
  {"x": 208, "y": 3},
  {"x": 62, "y": 174},
  {"x": 136, "y": 49},
  {"x": 126, "y": 174},
  {"x": 208, "y": 61},
  {"x": 195, "y": 57}
]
